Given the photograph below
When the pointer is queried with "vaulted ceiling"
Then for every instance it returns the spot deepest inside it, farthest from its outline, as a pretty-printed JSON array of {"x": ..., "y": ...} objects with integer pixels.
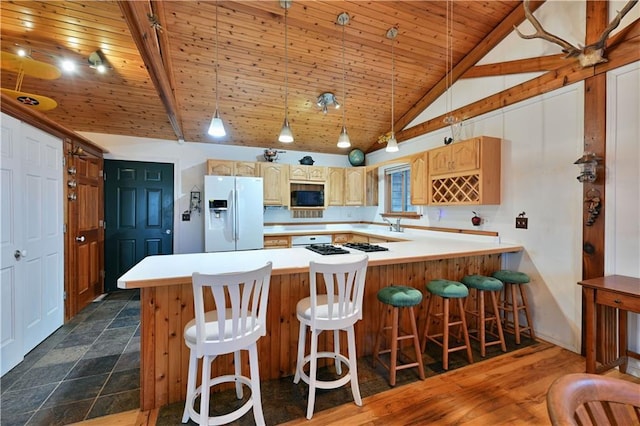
[{"x": 162, "y": 57}]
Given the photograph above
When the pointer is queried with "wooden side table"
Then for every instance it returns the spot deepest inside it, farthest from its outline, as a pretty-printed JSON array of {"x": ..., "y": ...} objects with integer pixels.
[{"x": 623, "y": 294}]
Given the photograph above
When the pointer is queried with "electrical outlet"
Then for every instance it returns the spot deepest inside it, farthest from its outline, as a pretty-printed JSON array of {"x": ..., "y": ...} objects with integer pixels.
[{"x": 522, "y": 222}]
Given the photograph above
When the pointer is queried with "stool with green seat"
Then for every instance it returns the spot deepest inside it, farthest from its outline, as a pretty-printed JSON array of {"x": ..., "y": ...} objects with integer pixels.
[
  {"x": 492, "y": 286},
  {"x": 446, "y": 290},
  {"x": 395, "y": 298},
  {"x": 510, "y": 304}
]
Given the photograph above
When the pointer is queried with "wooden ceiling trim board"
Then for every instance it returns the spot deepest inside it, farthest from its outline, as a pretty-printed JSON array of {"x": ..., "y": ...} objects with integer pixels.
[
  {"x": 516, "y": 17},
  {"x": 620, "y": 55},
  {"x": 138, "y": 23}
]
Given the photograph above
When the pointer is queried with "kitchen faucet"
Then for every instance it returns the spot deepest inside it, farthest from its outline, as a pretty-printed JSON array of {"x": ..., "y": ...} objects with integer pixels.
[{"x": 393, "y": 226}]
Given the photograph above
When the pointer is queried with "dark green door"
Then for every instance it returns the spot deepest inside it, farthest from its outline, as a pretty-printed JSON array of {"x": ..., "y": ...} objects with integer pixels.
[{"x": 138, "y": 214}]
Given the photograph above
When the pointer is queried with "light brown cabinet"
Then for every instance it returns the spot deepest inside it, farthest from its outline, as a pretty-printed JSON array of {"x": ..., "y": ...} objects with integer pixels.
[
  {"x": 335, "y": 186},
  {"x": 458, "y": 157},
  {"x": 308, "y": 173},
  {"x": 272, "y": 242},
  {"x": 341, "y": 238},
  {"x": 466, "y": 172},
  {"x": 354, "y": 193},
  {"x": 276, "y": 183},
  {"x": 419, "y": 179},
  {"x": 232, "y": 168}
]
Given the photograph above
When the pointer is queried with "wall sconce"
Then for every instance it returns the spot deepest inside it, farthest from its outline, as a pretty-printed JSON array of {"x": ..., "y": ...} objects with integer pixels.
[
  {"x": 98, "y": 62},
  {"x": 588, "y": 164},
  {"x": 326, "y": 99}
]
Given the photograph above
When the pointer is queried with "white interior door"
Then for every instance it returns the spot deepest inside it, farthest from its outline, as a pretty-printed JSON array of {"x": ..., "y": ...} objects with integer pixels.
[{"x": 32, "y": 239}]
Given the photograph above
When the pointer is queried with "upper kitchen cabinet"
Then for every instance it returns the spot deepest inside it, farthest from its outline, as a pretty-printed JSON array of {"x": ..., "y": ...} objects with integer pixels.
[
  {"x": 308, "y": 173},
  {"x": 276, "y": 183},
  {"x": 335, "y": 186},
  {"x": 232, "y": 168},
  {"x": 419, "y": 179},
  {"x": 354, "y": 178},
  {"x": 465, "y": 172}
]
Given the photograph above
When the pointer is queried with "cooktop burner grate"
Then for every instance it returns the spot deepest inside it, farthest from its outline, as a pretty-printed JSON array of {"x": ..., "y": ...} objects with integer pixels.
[
  {"x": 326, "y": 249},
  {"x": 366, "y": 247}
]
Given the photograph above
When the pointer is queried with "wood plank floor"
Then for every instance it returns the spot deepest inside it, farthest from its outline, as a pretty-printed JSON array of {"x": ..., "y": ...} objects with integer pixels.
[{"x": 506, "y": 390}]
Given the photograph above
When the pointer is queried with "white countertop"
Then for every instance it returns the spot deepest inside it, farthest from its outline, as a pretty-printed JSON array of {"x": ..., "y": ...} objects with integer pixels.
[{"x": 421, "y": 246}]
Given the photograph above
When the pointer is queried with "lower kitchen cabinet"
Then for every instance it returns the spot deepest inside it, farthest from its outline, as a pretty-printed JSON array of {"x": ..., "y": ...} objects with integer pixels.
[{"x": 271, "y": 242}]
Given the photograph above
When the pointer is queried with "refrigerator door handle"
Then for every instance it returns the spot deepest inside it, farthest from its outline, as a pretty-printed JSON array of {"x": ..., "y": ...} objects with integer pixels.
[{"x": 236, "y": 225}]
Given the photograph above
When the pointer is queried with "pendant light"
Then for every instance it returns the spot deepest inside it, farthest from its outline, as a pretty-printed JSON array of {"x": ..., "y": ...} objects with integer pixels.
[
  {"x": 216, "y": 128},
  {"x": 392, "y": 143},
  {"x": 343, "y": 139},
  {"x": 286, "y": 135}
]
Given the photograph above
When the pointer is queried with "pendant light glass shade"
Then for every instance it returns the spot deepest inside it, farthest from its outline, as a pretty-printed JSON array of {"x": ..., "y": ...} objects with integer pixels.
[
  {"x": 343, "y": 139},
  {"x": 216, "y": 128},
  {"x": 392, "y": 144},
  {"x": 286, "y": 135}
]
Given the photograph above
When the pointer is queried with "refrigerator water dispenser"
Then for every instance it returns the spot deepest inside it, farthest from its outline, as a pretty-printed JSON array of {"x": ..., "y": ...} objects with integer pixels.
[{"x": 218, "y": 206}]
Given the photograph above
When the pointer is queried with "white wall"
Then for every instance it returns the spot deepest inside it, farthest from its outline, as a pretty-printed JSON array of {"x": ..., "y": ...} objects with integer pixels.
[{"x": 622, "y": 240}]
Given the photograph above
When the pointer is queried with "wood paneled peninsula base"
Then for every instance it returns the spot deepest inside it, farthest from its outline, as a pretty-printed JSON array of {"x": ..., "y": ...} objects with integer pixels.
[{"x": 167, "y": 301}]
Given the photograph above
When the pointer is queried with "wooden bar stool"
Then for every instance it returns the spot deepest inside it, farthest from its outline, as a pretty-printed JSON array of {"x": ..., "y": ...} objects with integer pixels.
[
  {"x": 510, "y": 304},
  {"x": 446, "y": 290},
  {"x": 394, "y": 298},
  {"x": 483, "y": 285}
]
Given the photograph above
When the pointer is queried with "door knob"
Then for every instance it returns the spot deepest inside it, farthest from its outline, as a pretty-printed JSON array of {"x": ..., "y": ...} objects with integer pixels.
[
  {"x": 18, "y": 254},
  {"x": 80, "y": 239},
  {"x": 168, "y": 231}
]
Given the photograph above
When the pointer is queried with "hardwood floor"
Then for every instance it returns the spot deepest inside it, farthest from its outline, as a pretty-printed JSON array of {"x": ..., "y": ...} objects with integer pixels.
[{"x": 506, "y": 390}]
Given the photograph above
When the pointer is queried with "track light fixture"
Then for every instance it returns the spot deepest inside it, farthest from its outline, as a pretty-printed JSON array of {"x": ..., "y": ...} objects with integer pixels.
[
  {"x": 326, "y": 99},
  {"x": 98, "y": 62}
]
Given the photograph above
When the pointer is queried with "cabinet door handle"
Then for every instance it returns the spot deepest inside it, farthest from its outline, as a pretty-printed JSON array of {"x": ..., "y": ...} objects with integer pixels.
[{"x": 617, "y": 301}]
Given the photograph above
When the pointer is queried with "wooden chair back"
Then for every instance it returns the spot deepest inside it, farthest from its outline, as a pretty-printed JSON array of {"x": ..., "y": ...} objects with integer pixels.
[{"x": 591, "y": 399}]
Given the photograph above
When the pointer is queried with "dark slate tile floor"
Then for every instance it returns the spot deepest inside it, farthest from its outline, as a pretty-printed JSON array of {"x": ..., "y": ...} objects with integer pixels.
[{"x": 90, "y": 367}]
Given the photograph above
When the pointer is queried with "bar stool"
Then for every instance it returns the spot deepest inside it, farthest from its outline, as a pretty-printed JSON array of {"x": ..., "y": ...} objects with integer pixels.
[
  {"x": 236, "y": 323},
  {"x": 512, "y": 305},
  {"x": 394, "y": 298},
  {"x": 336, "y": 307},
  {"x": 484, "y": 285},
  {"x": 446, "y": 290}
]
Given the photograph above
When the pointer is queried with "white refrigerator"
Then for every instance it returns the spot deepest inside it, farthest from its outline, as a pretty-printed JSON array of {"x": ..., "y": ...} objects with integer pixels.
[{"x": 234, "y": 213}]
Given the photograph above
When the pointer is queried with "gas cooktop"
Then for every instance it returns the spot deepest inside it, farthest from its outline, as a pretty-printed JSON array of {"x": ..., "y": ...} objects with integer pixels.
[
  {"x": 325, "y": 249},
  {"x": 365, "y": 247}
]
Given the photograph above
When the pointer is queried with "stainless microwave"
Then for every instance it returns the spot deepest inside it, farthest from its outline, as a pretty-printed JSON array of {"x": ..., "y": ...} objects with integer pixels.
[{"x": 307, "y": 198}]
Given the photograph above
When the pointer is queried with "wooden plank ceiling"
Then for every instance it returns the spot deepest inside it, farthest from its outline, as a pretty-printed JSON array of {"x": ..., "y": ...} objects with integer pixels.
[{"x": 251, "y": 53}]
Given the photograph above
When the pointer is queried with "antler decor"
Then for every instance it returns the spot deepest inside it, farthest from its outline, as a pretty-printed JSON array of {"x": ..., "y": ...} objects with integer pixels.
[{"x": 588, "y": 55}]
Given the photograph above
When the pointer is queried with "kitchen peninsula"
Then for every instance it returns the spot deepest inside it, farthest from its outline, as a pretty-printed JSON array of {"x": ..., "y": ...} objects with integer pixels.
[{"x": 167, "y": 299}]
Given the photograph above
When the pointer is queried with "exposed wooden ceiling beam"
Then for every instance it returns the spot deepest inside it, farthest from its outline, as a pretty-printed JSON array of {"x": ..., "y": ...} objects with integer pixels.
[
  {"x": 135, "y": 14},
  {"x": 505, "y": 28},
  {"x": 518, "y": 66},
  {"x": 624, "y": 48}
]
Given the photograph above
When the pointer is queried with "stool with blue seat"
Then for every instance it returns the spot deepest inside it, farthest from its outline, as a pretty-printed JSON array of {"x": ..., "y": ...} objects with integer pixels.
[
  {"x": 396, "y": 299},
  {"x": 447, "y": 290},
  {"x": 482, "y": 284},
  {"x": 511, "y": 304}
]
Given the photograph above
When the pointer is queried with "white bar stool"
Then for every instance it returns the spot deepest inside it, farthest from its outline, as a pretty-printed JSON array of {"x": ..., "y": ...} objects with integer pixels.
[
  {"x": 337, "y": 308},
  {"x": 236, "y": 323}
]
